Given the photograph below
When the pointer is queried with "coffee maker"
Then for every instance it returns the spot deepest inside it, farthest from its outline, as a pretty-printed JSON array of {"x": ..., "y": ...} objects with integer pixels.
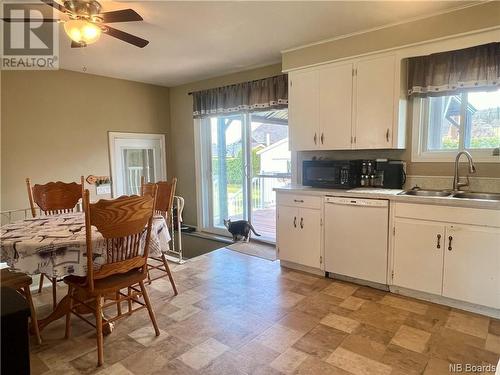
[{"x": 390, "y": 174}]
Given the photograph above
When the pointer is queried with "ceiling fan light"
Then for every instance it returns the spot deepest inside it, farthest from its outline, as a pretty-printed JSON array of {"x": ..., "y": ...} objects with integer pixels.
[{"x": 83, "y": 32}]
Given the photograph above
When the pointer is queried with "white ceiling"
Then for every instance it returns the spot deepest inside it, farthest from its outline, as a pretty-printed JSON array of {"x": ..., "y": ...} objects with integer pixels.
[{"x": 190, "y": 41}]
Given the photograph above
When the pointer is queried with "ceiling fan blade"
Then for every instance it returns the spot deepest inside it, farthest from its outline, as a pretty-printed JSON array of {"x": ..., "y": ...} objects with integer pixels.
[
  {"x": 55, "y": 5},
  {"x": 126, "y": 37},
  {"x": 30, "y": 19},
  {"x": 125, "y": 15},
  {"x": 77, "y": 45}
]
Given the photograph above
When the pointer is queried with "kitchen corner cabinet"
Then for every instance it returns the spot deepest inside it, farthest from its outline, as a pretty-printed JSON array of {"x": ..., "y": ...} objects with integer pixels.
[
  {"x": 354, "y": 104},
  {"x": 433, "y": 254},
  {"x": 299, "y": 229}
]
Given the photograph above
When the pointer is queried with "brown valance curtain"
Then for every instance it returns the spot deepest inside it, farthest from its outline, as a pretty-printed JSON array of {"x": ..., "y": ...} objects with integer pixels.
[
  {"x": 451, "y": 72},
  {"x": 263, "y": 94}
]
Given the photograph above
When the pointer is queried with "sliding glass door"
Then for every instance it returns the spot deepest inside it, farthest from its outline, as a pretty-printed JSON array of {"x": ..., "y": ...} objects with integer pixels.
[
  {"x": 227, "y": 165},
  {"x": 244, "y": 157}
]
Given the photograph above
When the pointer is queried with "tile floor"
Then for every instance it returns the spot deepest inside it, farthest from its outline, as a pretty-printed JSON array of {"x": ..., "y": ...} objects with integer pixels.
[{"x": 238, "y": 314}]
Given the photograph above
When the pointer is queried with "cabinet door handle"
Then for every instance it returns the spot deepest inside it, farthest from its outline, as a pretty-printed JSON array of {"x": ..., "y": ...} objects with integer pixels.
[
  {"x": 322, "y": 138},
  {"x": 301, "y": 223},
  {"x": 387, "y": 135},
  {"x": 449, "y": 243},
  {"x": 295, "y": 221},
  {"x": 298, "y": 200},
  {"x": 438, "y": 241},
  {"x": 315, "y": 139}
]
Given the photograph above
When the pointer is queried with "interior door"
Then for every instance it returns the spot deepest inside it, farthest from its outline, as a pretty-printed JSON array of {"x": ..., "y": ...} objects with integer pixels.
[
  {"x": 374, "y": 104},
  {"x": 304, "y": 110},
  {"x": 335, "y": 107},
  {"x": 134, "y": 155},
  {"x": 418, "y": 255},
  {"x": 472, "y": 264}
]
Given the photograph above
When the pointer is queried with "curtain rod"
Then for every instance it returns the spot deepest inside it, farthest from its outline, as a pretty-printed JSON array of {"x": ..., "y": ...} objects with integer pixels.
[{"x": 234, "y": 84}]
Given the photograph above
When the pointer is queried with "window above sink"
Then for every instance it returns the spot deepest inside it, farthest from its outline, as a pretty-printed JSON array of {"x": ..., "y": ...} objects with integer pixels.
[{"x": 444, "y": 125}]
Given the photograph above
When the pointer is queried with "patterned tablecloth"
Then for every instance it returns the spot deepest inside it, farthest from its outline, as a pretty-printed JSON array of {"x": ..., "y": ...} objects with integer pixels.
[{"x": 55, "y": 245}]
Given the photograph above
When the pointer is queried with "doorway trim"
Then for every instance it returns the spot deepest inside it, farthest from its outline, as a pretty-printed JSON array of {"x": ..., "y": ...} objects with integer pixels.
[{"x": 113, "y": 136}]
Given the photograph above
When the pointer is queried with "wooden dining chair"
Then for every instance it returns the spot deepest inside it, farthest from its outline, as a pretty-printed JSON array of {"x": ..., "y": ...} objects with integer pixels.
[
  {"x": 125, "y": 224},
  {"x": 21, "y": 282},
  {"x": 54, "y": 198},
  {"x": 164, "y": 207}
]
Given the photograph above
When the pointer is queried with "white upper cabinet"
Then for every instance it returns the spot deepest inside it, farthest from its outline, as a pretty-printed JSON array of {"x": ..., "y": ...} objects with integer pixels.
[
  {"x": 374, "y": 102},
  {"x": 349, "y": 105},
  {"x": 303, "y": 110},
  {"x": 335, "y": 107}
]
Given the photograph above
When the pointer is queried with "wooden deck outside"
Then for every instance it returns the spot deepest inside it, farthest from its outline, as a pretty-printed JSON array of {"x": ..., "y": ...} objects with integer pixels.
[{"x": 264, "y": 222}]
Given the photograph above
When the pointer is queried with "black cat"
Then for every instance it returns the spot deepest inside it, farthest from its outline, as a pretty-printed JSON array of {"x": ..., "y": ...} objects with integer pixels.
[{"x": 240, "y": 228}]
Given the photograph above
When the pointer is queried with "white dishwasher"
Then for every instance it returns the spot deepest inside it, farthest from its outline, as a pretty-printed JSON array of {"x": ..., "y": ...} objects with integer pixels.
[{"x": 356, "y": 232}]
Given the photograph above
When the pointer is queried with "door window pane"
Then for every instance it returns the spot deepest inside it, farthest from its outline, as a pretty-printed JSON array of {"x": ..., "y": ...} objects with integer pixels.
[
  {"x": 443, "y": 130},
  {"x": 227, "y": 163},
  {"x": 483, "y": 115},
  {"x": 270, "y": 167},
  {"x": 137, "y": 163}
]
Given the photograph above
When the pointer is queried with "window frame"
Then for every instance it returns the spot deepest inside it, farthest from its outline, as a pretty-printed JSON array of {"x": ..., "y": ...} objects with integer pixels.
[
  {"x": 203, "y": 169},
  {"x": 420, "y": 135}
]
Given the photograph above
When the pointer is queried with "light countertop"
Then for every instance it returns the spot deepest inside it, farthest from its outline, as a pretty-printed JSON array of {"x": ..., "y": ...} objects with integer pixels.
[{"x": 392, "y": 195}]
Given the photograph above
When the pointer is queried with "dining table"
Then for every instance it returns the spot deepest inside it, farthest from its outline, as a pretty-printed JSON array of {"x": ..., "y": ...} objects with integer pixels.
[{"x": 56, "y": 246}]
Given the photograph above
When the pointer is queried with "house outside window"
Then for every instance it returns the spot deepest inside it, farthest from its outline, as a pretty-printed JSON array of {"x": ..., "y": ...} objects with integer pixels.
[{"x": 444, "y": 125}]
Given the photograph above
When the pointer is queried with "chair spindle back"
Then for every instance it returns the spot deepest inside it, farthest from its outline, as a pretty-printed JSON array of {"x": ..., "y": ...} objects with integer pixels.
[
  {"x": 55, "y": 198},
  {"x": 122, "y": 222}
]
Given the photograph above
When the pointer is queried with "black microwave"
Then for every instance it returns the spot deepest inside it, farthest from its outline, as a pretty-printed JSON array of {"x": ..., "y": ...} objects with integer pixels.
[{"x": 333, "y": 174}]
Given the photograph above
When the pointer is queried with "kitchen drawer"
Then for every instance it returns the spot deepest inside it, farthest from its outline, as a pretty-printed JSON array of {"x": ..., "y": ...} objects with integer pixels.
[
  {"x": 460, "y": 215},
  {"x": 299, "y": 200}
]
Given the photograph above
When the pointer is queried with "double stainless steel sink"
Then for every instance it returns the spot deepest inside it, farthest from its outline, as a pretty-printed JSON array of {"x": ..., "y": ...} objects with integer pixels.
[{"x": 451, "y": 194}]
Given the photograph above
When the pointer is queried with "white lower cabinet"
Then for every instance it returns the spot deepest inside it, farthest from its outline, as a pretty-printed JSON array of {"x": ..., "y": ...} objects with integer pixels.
[
  {"x": 472, "y": 264},
  {"x": 299, "y": 235},
  {"x": 418, "y": 255},
  {"x": 457, "y": 261}
]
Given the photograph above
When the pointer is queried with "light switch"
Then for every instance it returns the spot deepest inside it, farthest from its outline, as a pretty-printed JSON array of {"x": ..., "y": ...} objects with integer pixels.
[{"x": 103, "y": 189}]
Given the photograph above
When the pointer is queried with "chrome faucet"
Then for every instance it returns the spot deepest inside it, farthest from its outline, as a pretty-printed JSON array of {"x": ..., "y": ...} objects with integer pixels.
[{"x": 472, "y": 169}]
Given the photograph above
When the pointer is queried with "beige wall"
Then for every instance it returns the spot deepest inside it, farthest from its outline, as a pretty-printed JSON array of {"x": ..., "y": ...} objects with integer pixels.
[
  {"x": 182, "y": 131},
  {"x": 461, "y": 21},
  {"x": 55, "y": 125}
]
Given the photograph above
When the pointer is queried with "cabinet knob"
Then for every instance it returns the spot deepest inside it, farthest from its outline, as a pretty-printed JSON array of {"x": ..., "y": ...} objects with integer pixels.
[
  {"x": 295, "y": 221},
  {"x": 315, "y": 138},
  {"x": 301, "y": 223},
  {"x": 298, "y": 200},
  {"x": 449, "y": 243},
  {"x": 438, "y": 241},
  {"x": 387, "y": 135},
  {"x": 322, "y": 138}
]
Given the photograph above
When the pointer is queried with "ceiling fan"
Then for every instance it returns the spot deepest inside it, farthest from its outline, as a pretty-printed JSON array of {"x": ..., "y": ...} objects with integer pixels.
[{"x": 86, "y": 22}]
